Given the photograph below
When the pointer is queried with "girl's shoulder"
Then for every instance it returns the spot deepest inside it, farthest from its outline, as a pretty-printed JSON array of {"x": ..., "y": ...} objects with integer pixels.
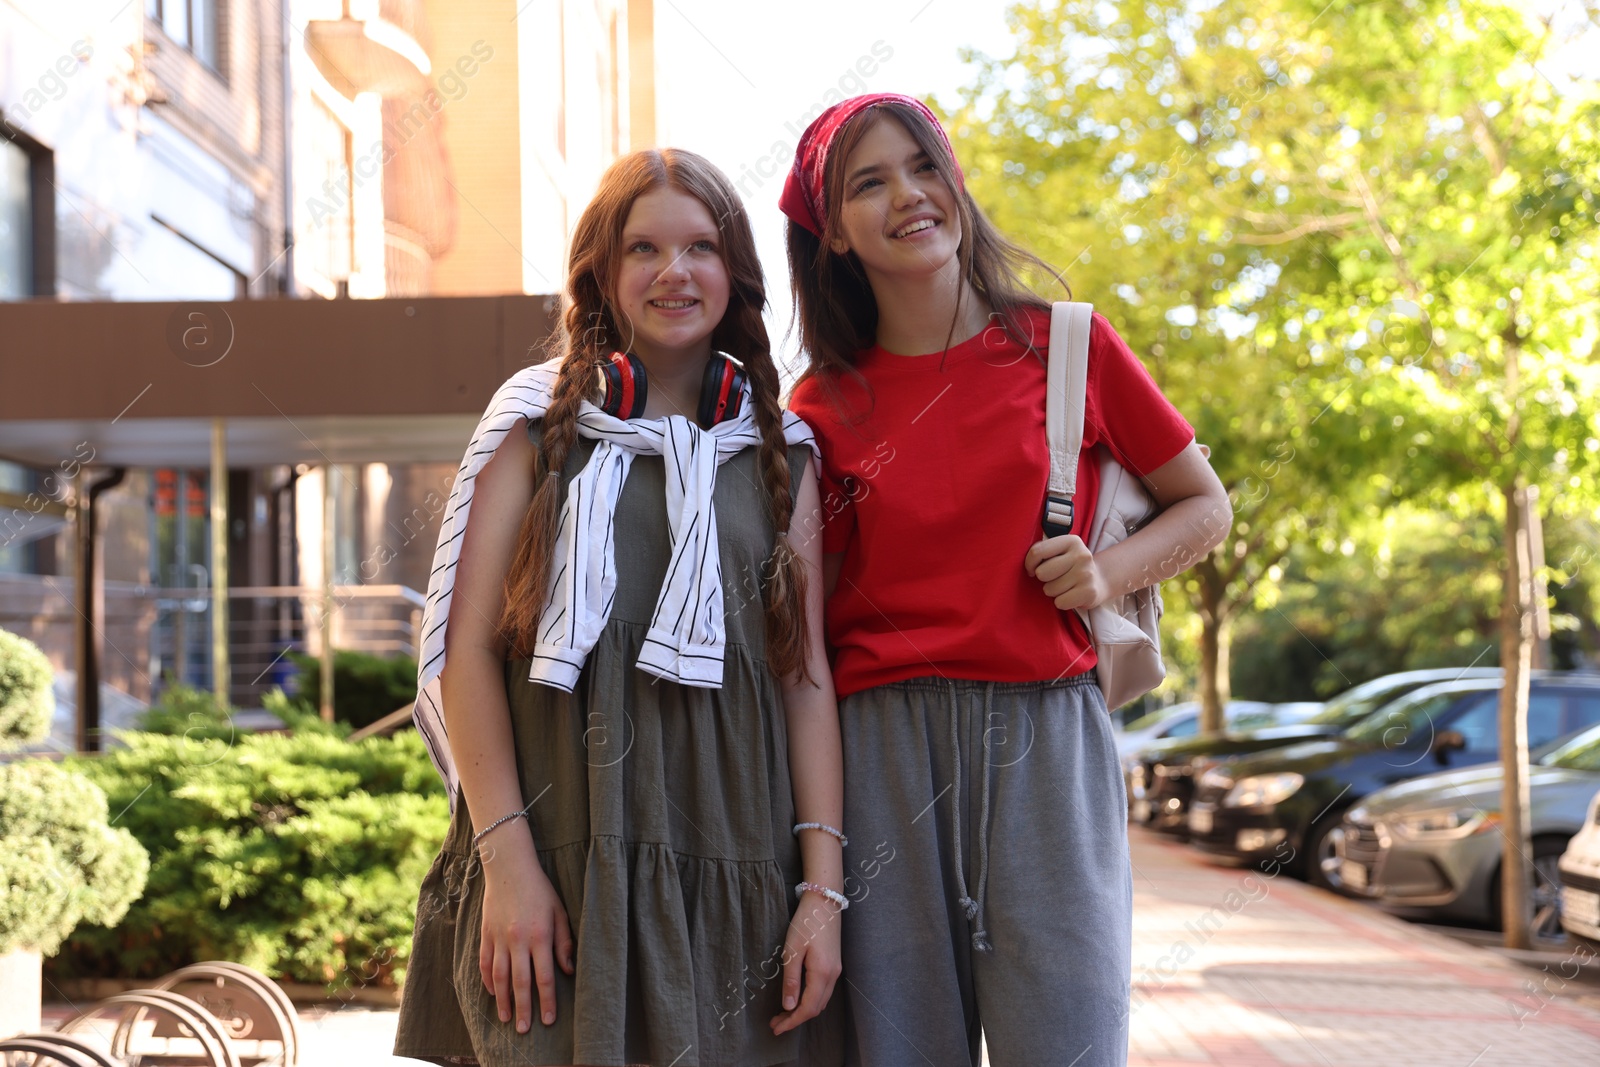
[
  {"x": 1034, "y": 323},
  {"x": 1105, "y": 343},
  {"x": 828, "y": 400},
  {"x": 810, "y": 401},
  {"x": 802, "y": 400},
  {"x": 528, "y": 391},
  {"x": 526, "y": 395}
]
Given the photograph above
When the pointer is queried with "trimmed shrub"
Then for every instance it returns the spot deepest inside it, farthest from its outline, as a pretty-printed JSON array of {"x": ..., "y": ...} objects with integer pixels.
[
  {"x": 299, "y": 855},
  {"x": 61, "y": 863},
  {"x": 27, "y": 702},
  {"x": 365, "y": 687},
  {"x": 183, "y": 711}
]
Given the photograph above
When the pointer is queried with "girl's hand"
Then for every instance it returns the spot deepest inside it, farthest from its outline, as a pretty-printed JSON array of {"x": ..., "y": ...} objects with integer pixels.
[
  {"x": 1069, "y": 572},
  {"x": 812, "y": 948},
  {"x": 523, "y": 920}
]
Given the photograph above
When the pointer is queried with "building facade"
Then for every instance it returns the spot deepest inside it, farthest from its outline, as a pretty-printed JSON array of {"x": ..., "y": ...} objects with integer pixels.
[{"x": 224, "y": 150}]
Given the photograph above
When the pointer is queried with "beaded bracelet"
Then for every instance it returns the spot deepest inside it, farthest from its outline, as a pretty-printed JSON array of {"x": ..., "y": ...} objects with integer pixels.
[
  {"x": 831, "y": 894},
  {"x": 479, "y": 835},
  {"x": 824, "y": 827}
]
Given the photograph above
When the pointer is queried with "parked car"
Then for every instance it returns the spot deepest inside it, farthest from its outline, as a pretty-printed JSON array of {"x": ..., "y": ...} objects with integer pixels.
[
  {"x": 1168, "y": 769},
  {"x": 1180, "y": 720},
  {"x": 1431, "y": 847},
  {"x": 1158, "y": 803},
  {"x": 1579, "y": 868},
  {"x": 1248, "y": 808}
]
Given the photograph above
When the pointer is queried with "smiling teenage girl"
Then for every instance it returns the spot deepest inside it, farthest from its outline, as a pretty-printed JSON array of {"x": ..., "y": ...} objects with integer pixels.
[
  {"x": 977, "y": 744},
  {"x": 629, "y": 740}
]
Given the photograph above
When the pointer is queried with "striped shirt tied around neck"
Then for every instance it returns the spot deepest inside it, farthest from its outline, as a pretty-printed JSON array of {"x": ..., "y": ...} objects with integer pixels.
[{"x": 686, "y": 637}]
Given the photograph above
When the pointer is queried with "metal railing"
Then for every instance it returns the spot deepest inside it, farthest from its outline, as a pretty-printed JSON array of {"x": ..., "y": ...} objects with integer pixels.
[{"x": 266, "y": 623}]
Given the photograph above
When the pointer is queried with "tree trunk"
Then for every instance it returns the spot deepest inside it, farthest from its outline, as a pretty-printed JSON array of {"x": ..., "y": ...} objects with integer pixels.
[
  {"x": 1215, "y": 633},
  {"x": 1540, "y": 589},
  {"x": 1516, "y": 652}
]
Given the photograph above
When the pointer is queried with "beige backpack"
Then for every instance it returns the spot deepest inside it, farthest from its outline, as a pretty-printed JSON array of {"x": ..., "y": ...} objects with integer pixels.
[{"x": 1125, "y": 630}]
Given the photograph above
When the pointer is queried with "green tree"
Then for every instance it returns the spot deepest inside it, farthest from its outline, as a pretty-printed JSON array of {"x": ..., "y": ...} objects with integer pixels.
[
  {"x": 1470, "y": 201},
  {"x": 1412, "y": 588},
  {"x": 1115, "y": 143},
  {"x": 1400, "y": 205}
]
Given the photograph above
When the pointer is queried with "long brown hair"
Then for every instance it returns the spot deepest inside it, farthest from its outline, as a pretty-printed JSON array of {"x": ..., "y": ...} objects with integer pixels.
[
  {"x": 836, "y": 314},
  {"x": 591, "y": 328}
]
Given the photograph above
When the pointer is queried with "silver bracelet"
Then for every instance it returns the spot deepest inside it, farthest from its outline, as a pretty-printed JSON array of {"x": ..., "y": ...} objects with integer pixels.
[
  {"x": 522, "y": 814},
  {"x": 825, "y": 828},
  {"x": 831, "y": 894}
]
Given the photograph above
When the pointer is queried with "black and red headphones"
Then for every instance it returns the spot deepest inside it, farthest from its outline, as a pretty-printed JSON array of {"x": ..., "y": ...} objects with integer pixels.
[{"x": 626, "y": 387}]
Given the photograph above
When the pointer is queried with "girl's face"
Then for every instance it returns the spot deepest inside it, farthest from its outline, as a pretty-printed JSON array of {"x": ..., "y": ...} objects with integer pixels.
[
  {"x": 672, "y": 285},
  {"x": 897, "y": 214}
]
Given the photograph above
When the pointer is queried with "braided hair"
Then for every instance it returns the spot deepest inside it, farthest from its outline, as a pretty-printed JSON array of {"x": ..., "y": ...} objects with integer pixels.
[{"x": 590, "y": 320}]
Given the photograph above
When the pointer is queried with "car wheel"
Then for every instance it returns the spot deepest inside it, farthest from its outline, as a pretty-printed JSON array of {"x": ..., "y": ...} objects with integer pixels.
[
  {"x": 1544, "y": 895},
  {"x": 1322, "y": 865}
]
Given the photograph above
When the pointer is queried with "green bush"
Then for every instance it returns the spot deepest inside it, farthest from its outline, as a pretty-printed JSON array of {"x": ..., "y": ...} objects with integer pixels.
[
  {"x": 299, "y": 855},
  {"x": 61, "y": 863},
  {"x": 301, "y": 717},
  {"x": 184, "y": 711},
  {"x": 27, "y": 702},
  {"x": 365, "y": 687}
]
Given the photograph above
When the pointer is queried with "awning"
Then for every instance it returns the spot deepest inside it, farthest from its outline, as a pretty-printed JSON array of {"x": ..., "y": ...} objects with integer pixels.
[{"x": 297, "y": 381}]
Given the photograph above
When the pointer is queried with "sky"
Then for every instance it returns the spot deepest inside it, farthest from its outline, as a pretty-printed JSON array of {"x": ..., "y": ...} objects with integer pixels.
[{"x": 736, "y": 82}]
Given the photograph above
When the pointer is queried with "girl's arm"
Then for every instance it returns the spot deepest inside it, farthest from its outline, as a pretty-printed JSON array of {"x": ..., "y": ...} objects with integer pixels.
[
  {"x": 523, "y": 918},
  {"x": 1196, "y": 516},
  {"x": 816, "y": 767}
]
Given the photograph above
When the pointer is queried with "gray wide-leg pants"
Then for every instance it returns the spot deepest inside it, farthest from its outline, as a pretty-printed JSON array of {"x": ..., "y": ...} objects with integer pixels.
[{"x": 989, "y": 876}]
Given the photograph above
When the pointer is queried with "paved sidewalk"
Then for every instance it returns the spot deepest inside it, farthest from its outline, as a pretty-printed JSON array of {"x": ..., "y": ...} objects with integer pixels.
[{"x": 1239, "y": 968}]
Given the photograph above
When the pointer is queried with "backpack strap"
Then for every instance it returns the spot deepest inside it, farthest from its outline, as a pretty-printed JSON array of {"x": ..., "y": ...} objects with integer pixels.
[{"x": 1066, "y": 386}]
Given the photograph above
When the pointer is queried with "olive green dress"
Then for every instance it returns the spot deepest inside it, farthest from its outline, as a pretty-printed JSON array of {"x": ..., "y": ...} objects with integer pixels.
[{"x": 662, "y": 814}]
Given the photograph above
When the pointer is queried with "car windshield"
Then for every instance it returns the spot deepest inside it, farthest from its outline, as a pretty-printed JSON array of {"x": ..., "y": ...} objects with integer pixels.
[
  {"x": 1152, "y": 720},
  {"x": 1582, "y": 753},
  {"x": 1358, "y": 703},
  {"x": 1409, "y": 718},
  {"x": 1256, "y": 720}
]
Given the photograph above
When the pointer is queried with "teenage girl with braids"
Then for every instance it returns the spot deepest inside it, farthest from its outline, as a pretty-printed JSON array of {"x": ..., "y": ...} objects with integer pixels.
[
  {"x": 623, "y": 680},
  {"x": 977, "y": 743}
]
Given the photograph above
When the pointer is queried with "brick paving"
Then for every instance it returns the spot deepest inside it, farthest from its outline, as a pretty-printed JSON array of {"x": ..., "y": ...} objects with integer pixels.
[{"x": 1240, "y": 969}]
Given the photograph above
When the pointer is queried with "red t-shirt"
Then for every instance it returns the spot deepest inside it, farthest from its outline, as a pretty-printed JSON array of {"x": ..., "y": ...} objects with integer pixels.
[{"x": 935, "y": 496}]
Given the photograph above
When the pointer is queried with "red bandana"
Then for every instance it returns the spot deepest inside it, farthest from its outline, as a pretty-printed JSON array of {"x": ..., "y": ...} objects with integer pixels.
[{"x": 803, "y": 189}]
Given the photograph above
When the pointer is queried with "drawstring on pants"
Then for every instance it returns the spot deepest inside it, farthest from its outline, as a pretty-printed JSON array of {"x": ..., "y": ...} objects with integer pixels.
[{"x": 973, "y": 909}]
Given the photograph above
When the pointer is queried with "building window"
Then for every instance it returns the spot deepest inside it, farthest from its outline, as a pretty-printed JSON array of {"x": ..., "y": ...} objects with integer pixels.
[
  {"x": 27, "y": 217},
  {"x": 32, "y": 513},
  {"x": 181, "y": 268},
  {"x": 324, "y": 244},
  {"x": 181, "y": 567},
  {"x": 16, "y": 223},
  {"x": 190, "y": 23},
  {"x": 16, "y": 483}
]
